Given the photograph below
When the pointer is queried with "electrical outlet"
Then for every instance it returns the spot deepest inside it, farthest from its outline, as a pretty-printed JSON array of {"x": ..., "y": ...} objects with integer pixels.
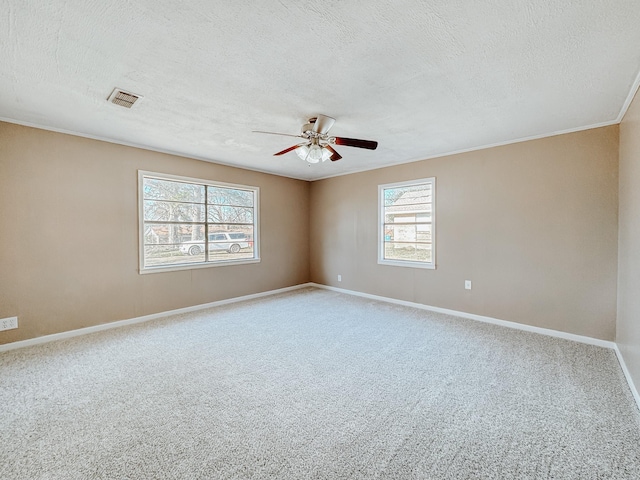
[
  {"x": 9, "y": 323},
  {"x": 339, "y": 277},
  {"x": 467, "y": 284}
]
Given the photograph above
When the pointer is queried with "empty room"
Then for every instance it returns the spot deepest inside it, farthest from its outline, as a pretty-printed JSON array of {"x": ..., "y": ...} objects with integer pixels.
[{"x": 328, "y": 240}]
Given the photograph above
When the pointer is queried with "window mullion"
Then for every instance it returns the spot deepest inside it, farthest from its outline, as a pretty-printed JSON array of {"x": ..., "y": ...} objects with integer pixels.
[{"x": 206, "y": 223}]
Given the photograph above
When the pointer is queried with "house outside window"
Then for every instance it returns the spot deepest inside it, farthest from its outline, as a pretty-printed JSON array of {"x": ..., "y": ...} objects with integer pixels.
[
  {"x": 193, "y": 223},
  {"x": 406, "y": 234}
]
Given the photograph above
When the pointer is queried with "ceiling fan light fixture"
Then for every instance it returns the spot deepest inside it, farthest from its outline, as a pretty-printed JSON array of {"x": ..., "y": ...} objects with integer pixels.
[
  {"x": 303, "y": 152},
  {"x": 326, "y": 154},
  {"x": 313, "y": 153}
]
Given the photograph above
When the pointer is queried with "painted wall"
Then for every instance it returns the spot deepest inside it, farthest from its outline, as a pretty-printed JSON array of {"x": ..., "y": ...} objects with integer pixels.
[
  {"x": 533, "y": 225},
  {"x": 69, "y": 234},
  {"x": 628, "y": 326}
]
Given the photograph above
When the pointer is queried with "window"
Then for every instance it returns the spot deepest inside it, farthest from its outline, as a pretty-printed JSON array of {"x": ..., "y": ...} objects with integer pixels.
[
  {"x": 407, "y": 223},
  {"x": 192, "y": 223}
]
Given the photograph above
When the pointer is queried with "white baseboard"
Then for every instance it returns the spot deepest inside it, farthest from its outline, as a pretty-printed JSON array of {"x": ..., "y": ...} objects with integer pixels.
[
  {"x": 480, "y": 318},
  {"x": 627, "y": 375},
  {"x": 145, "y": 318}
]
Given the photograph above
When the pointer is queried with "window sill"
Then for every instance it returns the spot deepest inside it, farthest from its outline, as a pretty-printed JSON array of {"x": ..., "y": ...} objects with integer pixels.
[
  {"x": 406, "y": 263},
  {"x": 193, "y": 266}
]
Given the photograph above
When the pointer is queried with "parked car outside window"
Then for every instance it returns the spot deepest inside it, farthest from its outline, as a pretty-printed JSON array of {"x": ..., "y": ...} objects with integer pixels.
[{"x": 232, "y": 242}]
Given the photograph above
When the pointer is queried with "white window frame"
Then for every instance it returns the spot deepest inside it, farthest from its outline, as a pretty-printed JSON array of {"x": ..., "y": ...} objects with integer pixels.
[
  {"x": 142, "y": 174},
  {"x": 381, "y": 239}
]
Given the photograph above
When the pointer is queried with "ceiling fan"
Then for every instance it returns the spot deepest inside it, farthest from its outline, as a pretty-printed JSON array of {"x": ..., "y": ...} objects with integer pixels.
[{"x": 318, "y": 144}]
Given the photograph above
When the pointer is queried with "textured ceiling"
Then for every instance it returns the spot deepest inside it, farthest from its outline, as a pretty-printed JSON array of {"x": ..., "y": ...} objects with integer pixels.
[{"x": 421, "y": 78}]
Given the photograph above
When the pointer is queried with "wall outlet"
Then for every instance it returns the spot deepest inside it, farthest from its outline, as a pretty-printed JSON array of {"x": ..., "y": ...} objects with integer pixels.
[
  {"x": 467, "y": 284},
  {"x": 339, "y": 277},
  {"x": 9, "y": 323}
]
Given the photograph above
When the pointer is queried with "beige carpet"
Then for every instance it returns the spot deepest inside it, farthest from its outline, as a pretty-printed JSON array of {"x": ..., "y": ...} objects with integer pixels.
[{"x": 316, "y": 384}]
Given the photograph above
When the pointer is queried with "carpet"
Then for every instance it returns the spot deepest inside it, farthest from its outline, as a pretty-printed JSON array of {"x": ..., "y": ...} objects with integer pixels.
[{"x": 315, "y": 384}]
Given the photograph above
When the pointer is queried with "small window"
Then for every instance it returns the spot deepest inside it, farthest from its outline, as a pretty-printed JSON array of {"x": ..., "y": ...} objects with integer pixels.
[
  {"x": 407, "y": 223},
  {"x": 193, "y": 223}
]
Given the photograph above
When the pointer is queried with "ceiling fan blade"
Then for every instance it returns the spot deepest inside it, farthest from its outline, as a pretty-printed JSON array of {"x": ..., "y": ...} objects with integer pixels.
[
  {"x": 334, "y": 155},
  {"x": 275, "y": 133},
  {"x": 354, "y": 142},
  {"x": 287, "y": 150},
  {"x": 323, "y": 124}
]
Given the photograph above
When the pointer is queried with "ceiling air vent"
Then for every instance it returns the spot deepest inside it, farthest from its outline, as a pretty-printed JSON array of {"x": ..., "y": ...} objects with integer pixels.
[{"x": 123, "y": 98}]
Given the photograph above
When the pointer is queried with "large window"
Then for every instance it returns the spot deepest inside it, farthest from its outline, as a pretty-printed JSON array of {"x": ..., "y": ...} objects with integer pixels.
[
  {"x": 189, "y": 223},
  {"x": 407, "y": 223}
]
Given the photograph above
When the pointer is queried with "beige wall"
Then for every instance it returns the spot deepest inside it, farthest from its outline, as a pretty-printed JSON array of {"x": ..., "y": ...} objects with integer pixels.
[
  {"x": 533, "y": 225},
  {"x": 628, "y": 326},
  {"x": 69, "y": 234}
]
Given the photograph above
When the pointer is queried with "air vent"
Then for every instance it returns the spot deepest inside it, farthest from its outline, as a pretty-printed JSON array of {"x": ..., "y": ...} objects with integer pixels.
[{"x": 123, "y": 98}]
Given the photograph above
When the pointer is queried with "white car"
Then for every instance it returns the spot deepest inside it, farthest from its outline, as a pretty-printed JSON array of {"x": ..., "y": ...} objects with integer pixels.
[{"x": 232, "y": 242}]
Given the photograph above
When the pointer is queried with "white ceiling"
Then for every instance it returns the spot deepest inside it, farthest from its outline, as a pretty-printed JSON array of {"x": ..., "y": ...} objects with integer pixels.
[{"x": 422, "y": 78}]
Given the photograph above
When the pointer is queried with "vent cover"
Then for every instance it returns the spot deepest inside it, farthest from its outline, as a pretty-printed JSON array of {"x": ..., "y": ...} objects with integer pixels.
[{"x": 124, "y": 98}]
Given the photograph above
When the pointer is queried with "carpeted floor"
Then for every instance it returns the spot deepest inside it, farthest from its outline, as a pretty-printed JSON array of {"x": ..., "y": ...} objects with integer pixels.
[{"x": 316, "y": 384}]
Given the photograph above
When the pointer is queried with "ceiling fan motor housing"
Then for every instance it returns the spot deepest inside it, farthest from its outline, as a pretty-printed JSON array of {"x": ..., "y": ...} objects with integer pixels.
[{"x": 308, "y": 127}]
